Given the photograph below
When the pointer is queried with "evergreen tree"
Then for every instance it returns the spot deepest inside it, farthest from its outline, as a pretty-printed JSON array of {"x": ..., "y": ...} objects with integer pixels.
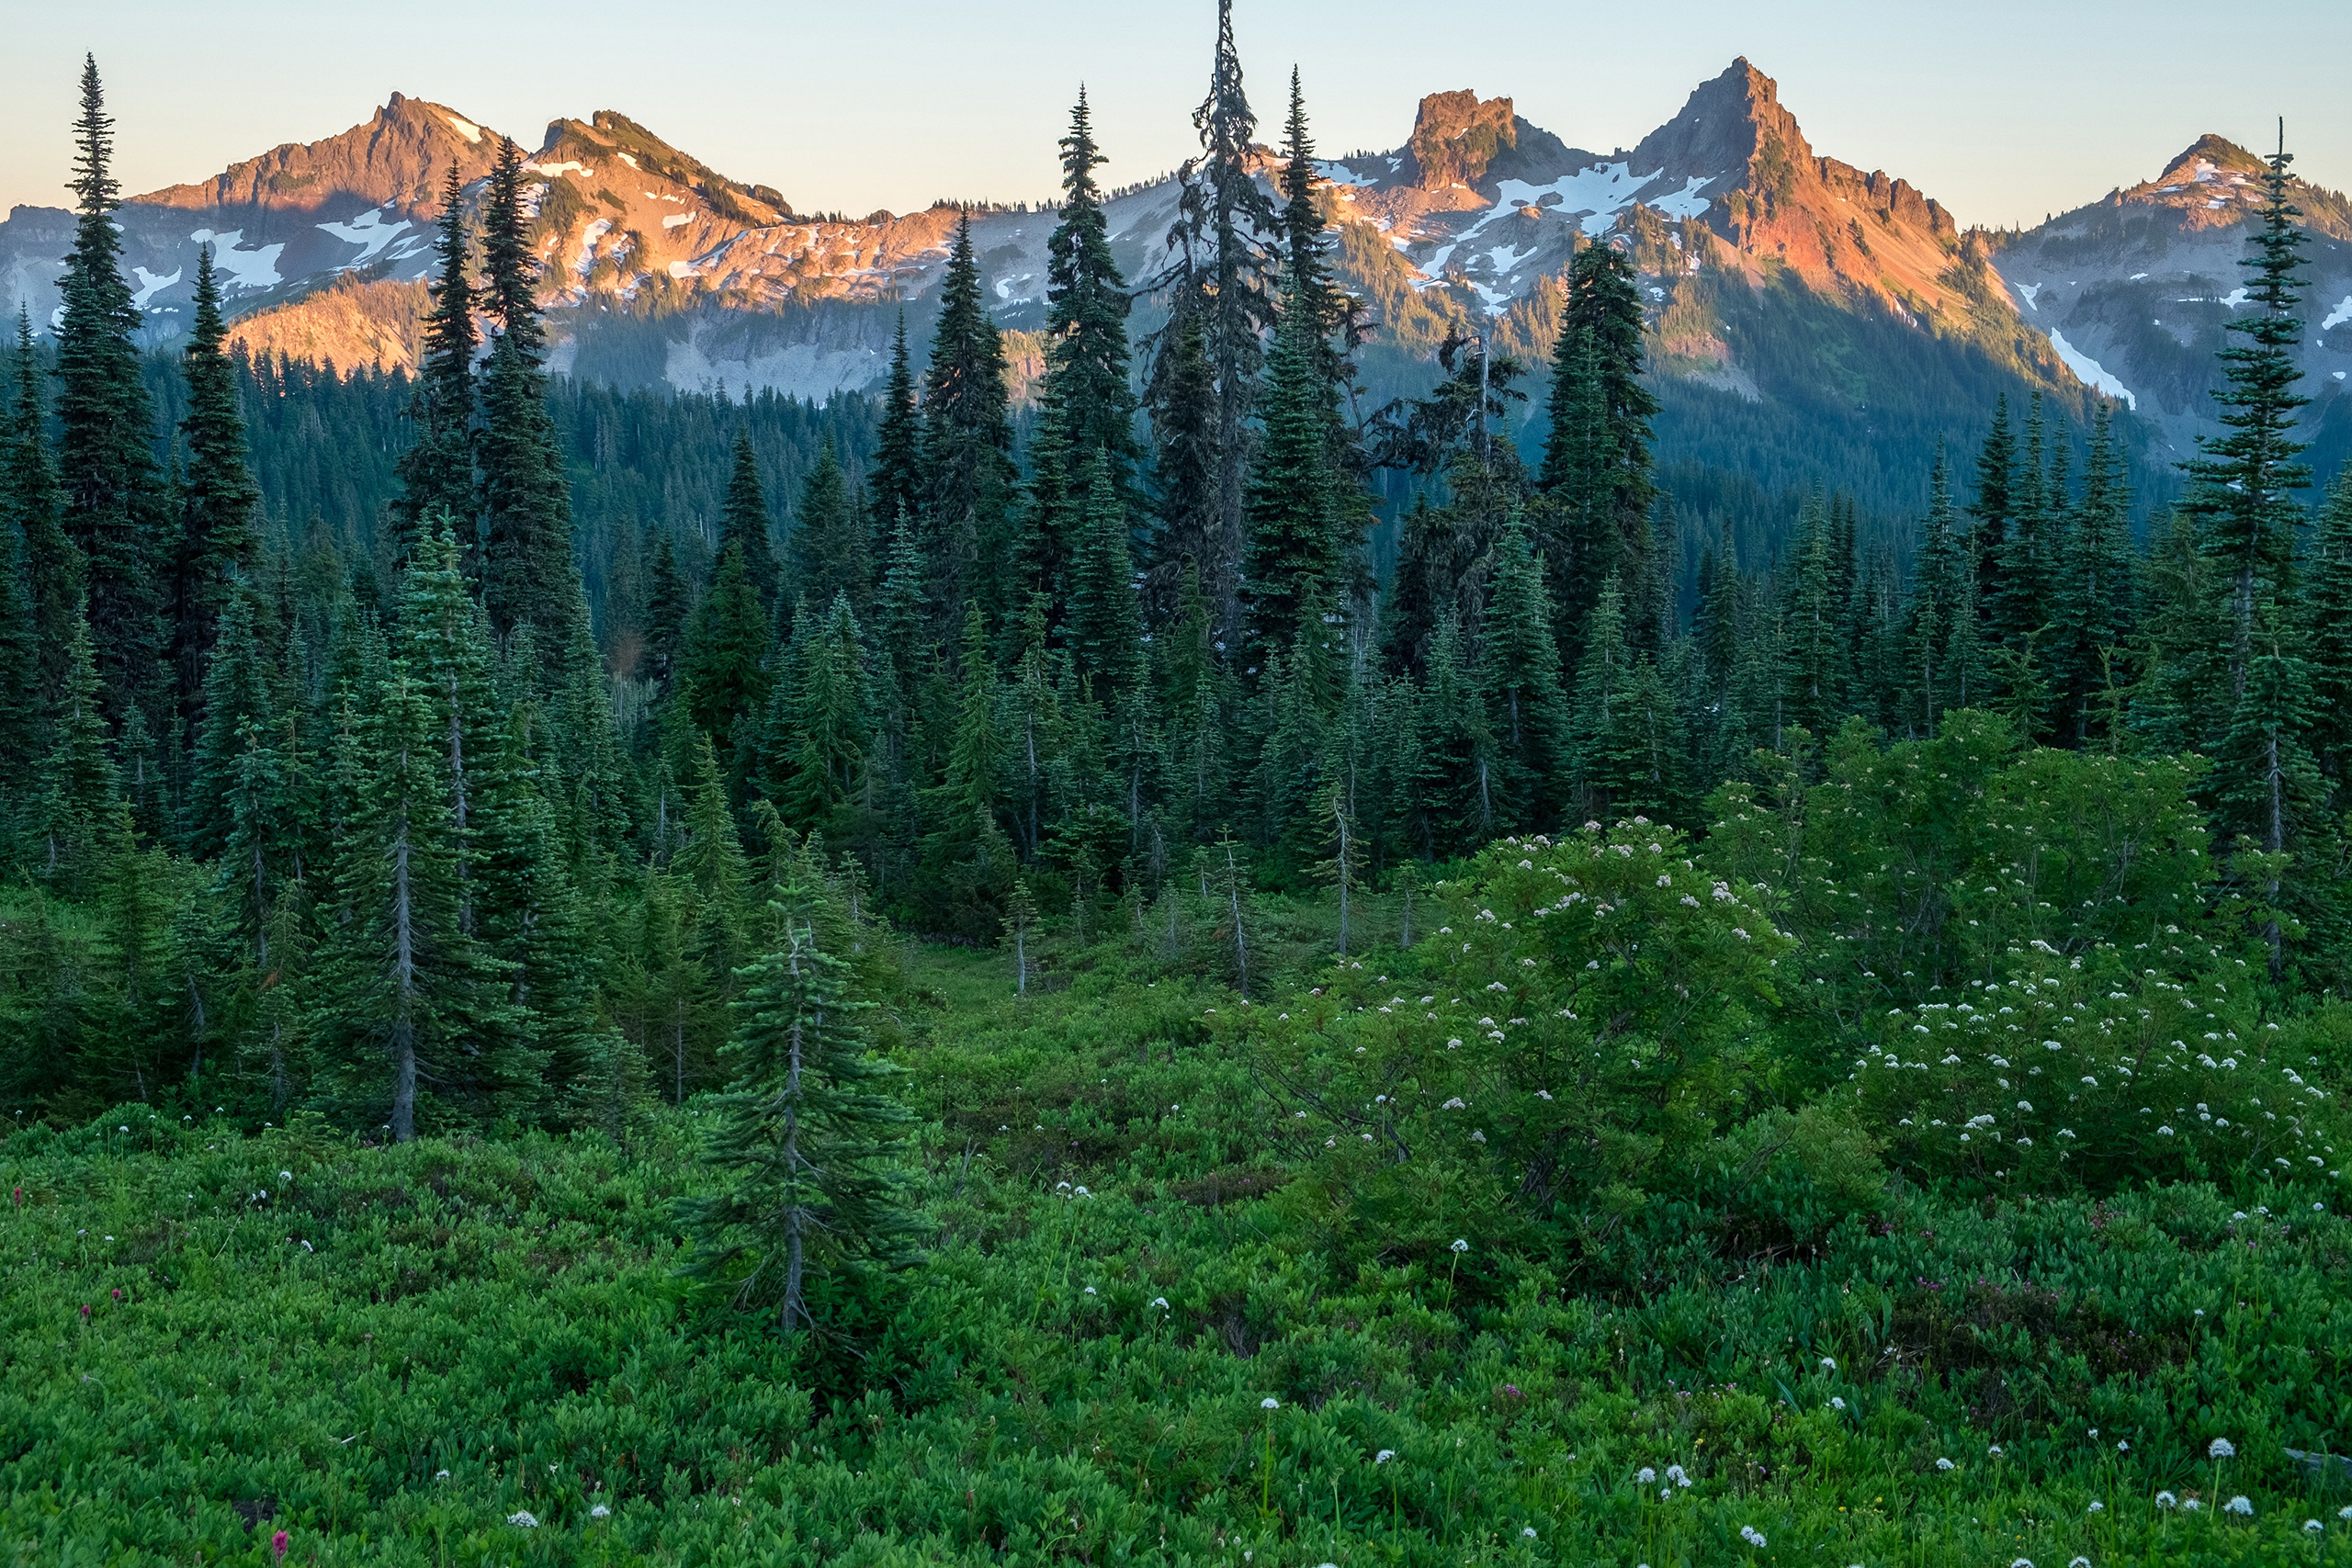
[
  {"x": 1222, "y": 283},
  {"x": 1524, "y": 695},
  {"x": 1994, "y": 508},
  {"x": 744, "y": 525},
  {"x": 1596, "y": 474},
  {"x": 53, "y": 576},
  {"x": 895, "y": 480},
  {"x": 1183, "y": 544},
  {"x": 436, "y": 472},
  {"x": 406, "y": 1000},
  {"x": 1939, "y": 624},
  {"x": 967, "y": 438},
  {"x": 2091, "y": 608},
  {"x": 829, "y": 721},
  {"x": 79, "y": 786},
  {"x": 724, "y": 675},
  {"x": 1816, "y": 653},
  {"x": 830, "y": 554},
  {"x": 1105, "y": 625},
  {"x": 1294, "y": 559},
  {"x": 528, "y": 575},
  {"x": 807, "y": 1136},
  {"x": 1086, "y": 394},
  {"x": 668, "y": 606},
  {"x": 2244, "y": 481},
  {"x": 243, "y": 702},
  {"x": 115, "y": 509},
  {"x": 218, "y": 498},
  {"x": 2327, "y": 636}
]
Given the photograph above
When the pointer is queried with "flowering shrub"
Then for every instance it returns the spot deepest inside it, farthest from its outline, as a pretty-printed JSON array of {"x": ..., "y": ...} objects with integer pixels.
[
  {"x": 2079, "y": 1072},
  {"x": 1585, "y": 1013}
]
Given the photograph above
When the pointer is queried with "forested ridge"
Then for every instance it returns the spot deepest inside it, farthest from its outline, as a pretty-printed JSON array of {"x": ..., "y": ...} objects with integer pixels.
[{"x": 1047, "y": 1007}]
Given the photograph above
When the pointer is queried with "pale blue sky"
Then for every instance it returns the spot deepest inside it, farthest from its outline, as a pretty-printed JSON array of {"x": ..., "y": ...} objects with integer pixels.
[{"x": 2002, "y": 110}]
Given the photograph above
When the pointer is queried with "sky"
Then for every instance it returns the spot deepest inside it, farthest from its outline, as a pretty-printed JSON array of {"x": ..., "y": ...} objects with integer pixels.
[{"x": 2003, "y": 111}]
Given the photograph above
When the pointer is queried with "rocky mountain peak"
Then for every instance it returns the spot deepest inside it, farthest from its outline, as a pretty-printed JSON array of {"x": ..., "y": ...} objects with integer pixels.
[
  {"x": 396, "y": 160},
  {"x": 1731, "y": 124}
]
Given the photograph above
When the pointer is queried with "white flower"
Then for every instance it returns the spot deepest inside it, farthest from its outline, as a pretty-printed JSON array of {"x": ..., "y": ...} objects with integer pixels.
[
  {"x": 1091, "y": 1290},
  {"x": 440, "y": 1476},
  {"x": 600, "y": 1512},
  {"x": 2313, "y": 1526},
  {"x": 2238, "y": 1504},
  {"x": 1529, "y": 1531},
  {"x": 1836, "y": 1402},
  {"x": 1753, "y": 1535},
  {"x": 1384, "y": 1456},
  {"x": 2192, "y": 1504},
  {"x": 2221, "y": 1448},
  {"x": 285, "y": 1176},
  {"x": 1829, "y": 1364},
  {"x": 1995, "y": 1450},
  {"x": 1943, "y": 1464},
  {"x": 1160, "y": 1302},
  {"x": 523, "y": 1519},
  {"x": 2345, "y": 1512},
  {"x": 1460, "y": 1245},
  {"x": 1644, "y": 1475},
  {"x": 2096, "y": 1507},
  {"x": 2167, "y": 1500},
  {"x": 1679, "y": 1475},
  {"x": 2022, "y": 1563},
  {"x": 1270, "y": 1402},
  {"x": 1456, "y": 1103}
]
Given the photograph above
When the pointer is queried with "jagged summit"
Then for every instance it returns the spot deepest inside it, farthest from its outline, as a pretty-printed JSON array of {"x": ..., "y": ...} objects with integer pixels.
[{"x": 396, "y": 159}]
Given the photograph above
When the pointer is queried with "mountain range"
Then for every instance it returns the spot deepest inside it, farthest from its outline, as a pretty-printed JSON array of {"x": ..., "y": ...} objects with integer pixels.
[{"x": 1811, "y": 323}]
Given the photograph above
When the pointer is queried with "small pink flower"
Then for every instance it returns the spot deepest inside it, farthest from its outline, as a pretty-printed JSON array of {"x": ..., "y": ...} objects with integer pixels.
[{"x": 277, "y": 1545}]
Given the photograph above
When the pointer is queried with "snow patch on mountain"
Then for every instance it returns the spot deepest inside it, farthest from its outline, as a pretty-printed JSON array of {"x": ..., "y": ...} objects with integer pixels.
[
  {"x": 257, "y": 268},
  {"x": 1684, "y": 203},
  {"x": 2342, "y": 313},
  {"x": 464, "y": 127},
  {"x": 676, "y": 218},
  {"x": 2089, "y": 372},
  {"x": 370, "y": 233},
  {"x": 149, "y": 284}
]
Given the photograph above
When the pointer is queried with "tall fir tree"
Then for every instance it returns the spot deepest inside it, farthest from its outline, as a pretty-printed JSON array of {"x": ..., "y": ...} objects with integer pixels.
[
  {"x": 831, "y": 555},
  {"x": 528, "y": 576},
  {"x": 54, "y": 577},
  {"x": 115, "y": 510},
  {"x": 894, "y": 480},
  {"x": 1294, "y": 555},
  {"x": 744, "y": 524},
  {"x": 411, "y": 1013},
  {"x": 724, "y": 674},
  {"x": 1224, "y": 280},
  {"x": 1185, "y": 530},
  {"x": 1105, "y": 627},
  {"x": 218, "y": 500},
  {"x": 1597, "y": 465},
  {"x": 968, "y": 439},
  {"x": 2243, "y": 482},
  {"x": 436, "y": 472},
  {"x": 1524, "y": 695},
  {"x": 79, "y": 786},
  {"x": 2092, "y": 599}
]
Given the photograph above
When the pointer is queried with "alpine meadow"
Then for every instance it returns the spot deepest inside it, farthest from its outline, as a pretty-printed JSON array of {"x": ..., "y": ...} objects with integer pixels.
[{"x": 1461, "y": 856}]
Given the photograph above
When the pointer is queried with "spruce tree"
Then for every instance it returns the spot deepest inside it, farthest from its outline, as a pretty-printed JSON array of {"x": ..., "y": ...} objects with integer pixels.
[
  {"x": 830, "y": 556},
  {"x": 53, "y": 576},
  {"x": 743, "y": 523},
  {"x": 1994, "y": 508},
  {"x": 667, "y": 608},
  {"x": 967, "y": 438},
  {"x": 527, "y": 574},
  {"x": 1939, "y": 624},
  {"x": 115, "y": 509},
  {"x": 436, "y": 472},
  {"x": 2244, "y": 481},
  {"x": 829, "y": 720},
  {"x": 2327, "y": 637},
  {"x": 1223, "y": 280},
  {"x": 244, "y": 698},
  {"x": 1293, "y": 566},
  {"x": 1183, "y": 543},
  {"x": 723, "y": 676},
  {"x": 2091, "y": 606},
  {"x": 1521, "y": 671},
  {"x": 1105, "y": 629},
  {"x": 1086, "y": 392},
  {"x": 1597, "y": 469},
  {"x": 79, "y": 786},
  {"x": 1814, "y": 655},
  {"x": 806, "y": 1138},
  {"x": 895, "y": 480},
  {"x": 218, "y": 499},
  {"x": 406, "y": 1000}
]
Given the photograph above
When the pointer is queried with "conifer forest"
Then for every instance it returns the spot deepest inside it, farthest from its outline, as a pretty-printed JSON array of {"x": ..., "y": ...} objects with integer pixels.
[{"x": 1160, "y": 964}]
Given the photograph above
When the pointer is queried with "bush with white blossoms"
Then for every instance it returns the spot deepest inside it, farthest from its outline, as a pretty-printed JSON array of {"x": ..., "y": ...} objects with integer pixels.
[
  {"x": 2084, "y": 1072},
  {"x": 1577, "y": 1017}
]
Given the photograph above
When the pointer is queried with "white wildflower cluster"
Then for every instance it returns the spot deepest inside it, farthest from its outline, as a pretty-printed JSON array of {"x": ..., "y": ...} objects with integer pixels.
[{"x": 2052, "y": 1066}]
